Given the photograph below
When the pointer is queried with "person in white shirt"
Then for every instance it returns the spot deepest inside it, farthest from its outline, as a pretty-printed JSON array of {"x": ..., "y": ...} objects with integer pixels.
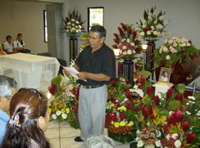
[
  {"x": 8, "y": 45},
  {"x": 165, "y": 76},
  {"x": 19, "y": 44}
]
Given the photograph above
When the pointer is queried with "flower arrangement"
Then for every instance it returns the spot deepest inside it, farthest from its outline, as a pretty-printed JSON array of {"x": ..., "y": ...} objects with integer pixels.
[
  {"x": 127, "y": 41},
  {"x": 64, "y": 107},
  {"x": 73, "y": 23},
  {"x": 148, "y": 136},
  {"x": 119, "y": 109},
  {"x": 175, "y": 50},
  {"x": 152, "y": 25}
]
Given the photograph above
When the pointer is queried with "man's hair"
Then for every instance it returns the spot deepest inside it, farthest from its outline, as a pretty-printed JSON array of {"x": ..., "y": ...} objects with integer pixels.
[
  {"x": 100, "y": 29},
  {"x": 8, "y": 37},
  {"x": 6, "y": 85}
]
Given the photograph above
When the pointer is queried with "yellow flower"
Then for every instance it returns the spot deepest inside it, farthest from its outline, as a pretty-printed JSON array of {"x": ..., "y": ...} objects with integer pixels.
[
  {"x": 112, "y": 122},
  {"x": 122, "y": 108},
  {"x": 116, "y": 124},
  {"x": 67, "y": 110},
  {"x": 130, "y": 123},
  {"x": 62, "y": 110},
  {"x": 110, "y": 104},
  {"x": 122, "y": 123},
  {"x": 49, "y": 110}
]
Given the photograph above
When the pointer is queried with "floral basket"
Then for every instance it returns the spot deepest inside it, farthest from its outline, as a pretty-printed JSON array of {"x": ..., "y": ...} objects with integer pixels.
[
  {"x": 127, "y": 41},
  {"x": 179, "y": 54},
  {"x": 73, "y": 24},
  {"x": 152, "y": 25},
  {"x": 64, "y": 107}
]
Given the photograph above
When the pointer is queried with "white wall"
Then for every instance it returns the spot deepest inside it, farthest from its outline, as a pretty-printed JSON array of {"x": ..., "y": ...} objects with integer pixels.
[
  {"x": 26, "y": 18},
  {"x": 183, "y": 15}
]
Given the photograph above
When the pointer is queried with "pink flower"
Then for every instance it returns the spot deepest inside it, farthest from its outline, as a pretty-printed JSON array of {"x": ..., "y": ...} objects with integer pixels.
[{"x": 190, "y": 138}]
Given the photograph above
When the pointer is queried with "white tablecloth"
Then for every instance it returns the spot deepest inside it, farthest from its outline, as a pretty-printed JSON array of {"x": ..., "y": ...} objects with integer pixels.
[{"x": 29, "y": 70}]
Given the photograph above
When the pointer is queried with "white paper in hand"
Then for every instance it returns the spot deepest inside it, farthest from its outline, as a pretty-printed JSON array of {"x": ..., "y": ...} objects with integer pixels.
[{"x": 72, "y": 71}]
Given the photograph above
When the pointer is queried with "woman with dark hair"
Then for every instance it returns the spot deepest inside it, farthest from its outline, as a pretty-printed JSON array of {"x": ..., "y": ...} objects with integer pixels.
[
  {"x": 29, "y": 120},
  {"x": 19, "y": 44}
]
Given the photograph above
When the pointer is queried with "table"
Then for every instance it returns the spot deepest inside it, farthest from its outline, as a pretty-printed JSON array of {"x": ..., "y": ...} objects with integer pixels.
[{"x": 29, "y": 70}]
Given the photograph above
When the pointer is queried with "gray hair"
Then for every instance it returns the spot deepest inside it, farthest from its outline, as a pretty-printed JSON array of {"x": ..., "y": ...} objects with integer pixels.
[{"x": 6, "y": 85}]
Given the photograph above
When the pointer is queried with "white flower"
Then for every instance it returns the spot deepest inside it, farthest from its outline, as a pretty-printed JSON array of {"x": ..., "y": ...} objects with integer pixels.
[
  {"x": 124, "y": 53},
  {"x": 64, "y": 116},
  {"x": 161, "y": 17},
  {"x": 58, "y": 113},
  {"x": 188, "y": 112},
  {"x": 174, "y": 136},
  {"x": 148, "y": 32},
  {"x": 142, "y": 33},
  {"x": 144, "y": 26},
  {"x": 167, "y": 57},
  {"x": 138, "y": 91},
  {"x": 158, "y": 143},
  {"x": 140, "y": 143},
  {"x": 177, "y": 143},
  {"x": 132, "y": 44},
  {"x": 168, "y": 137},
  {"x": 165, "y": 49},
  {"x": 155, "y": 33},
  {"x": 191, "y": 98},
  {"x": 129, "y": 52},
  {"x": 198, "y": 113},
  {"x": 54, "y": 116},
  {"x": 128, "y": 40},
  {"x": 124, "y": 47},
  {"x": 152, "y": 27}
]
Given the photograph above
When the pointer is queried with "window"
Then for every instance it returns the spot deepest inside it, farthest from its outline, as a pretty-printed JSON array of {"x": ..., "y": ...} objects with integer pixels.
[
  {"x": 95, "y": 16},
  {"x": 45, "y": 26}
]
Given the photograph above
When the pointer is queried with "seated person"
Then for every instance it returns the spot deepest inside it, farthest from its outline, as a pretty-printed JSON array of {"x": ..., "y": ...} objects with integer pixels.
[
  {"x": 28, "y": 121},
  {"x": 8, "y": 87},
  {"x": 2, "y": 52},
  {"x": 19, "y": 44},
  {"x": 8, "y": 45}
]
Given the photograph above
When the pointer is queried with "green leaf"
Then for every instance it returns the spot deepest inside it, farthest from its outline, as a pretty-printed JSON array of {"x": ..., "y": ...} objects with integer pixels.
[
  {"x": 57, "y": 80},
  {"x": 145, "y": 74},
  {"x": 181, "y": 88}
]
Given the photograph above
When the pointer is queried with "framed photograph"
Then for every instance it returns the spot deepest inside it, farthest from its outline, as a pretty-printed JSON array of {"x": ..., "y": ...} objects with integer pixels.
[{"x": 165, "y": 74}]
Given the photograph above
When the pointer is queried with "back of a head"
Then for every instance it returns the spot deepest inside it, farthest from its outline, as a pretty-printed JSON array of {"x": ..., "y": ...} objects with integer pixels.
[
  {"x": 100, "y": 29},
  {"x": 6, "y": 85},
  {"x": 27, "y": 105}
]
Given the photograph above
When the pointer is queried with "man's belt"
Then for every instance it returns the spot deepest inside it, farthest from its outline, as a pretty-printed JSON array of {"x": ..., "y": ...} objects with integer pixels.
[{"x": 92, "y": 86}]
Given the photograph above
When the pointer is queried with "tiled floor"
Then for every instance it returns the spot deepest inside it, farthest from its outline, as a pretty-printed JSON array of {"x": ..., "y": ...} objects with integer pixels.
[{"x": 61, "y": 135}]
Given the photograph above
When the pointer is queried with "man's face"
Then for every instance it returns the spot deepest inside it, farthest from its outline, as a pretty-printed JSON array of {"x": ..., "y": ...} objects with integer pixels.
[
  {"x": 9, "y": 40},
  {"x": 95, "y": 41}
]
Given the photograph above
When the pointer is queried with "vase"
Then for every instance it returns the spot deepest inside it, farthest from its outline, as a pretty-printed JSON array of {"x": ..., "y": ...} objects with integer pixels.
[
  {"x": 149, "y": 64},
  {"x": 128, "y": 69}
]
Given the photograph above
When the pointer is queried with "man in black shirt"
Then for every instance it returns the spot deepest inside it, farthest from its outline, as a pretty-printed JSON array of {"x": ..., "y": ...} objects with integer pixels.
[{"x": 96, "y": 66}]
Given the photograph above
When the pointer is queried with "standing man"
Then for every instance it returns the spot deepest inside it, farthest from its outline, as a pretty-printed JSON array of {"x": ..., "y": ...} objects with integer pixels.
[{"x": 96, "y": 66}]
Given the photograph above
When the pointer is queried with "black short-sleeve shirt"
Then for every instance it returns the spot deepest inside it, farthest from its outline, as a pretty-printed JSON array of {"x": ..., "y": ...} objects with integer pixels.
[{"x": 100, "y": 61}]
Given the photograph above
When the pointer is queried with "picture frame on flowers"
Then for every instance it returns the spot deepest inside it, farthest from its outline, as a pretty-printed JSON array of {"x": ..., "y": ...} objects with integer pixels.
[{"x": 165, "y": 74}]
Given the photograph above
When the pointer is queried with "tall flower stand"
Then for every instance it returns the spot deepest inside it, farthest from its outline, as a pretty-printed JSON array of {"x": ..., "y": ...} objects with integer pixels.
[
  {"x": 73, "y": 46},
  {"x": 149, "y": 55},
  {"x": 127, "y": 69}
]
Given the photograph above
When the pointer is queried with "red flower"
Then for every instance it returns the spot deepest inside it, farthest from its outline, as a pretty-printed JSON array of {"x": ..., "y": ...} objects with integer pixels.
[
  {"x": 157, "y": 99},
  {"x": 113, "y": 116},
  {"x": 123, "y": 26},
  {"x": 145, "y": 111},
  {"x": 179, "y": 97},
  {"x": 128, "y": 104},
  {"x": 128, "y": 94},
  {"x": 169, "y": 93},
  {"x": 151, "y": 108},
  {"x": 176, "y": 116},
  {"x": 190, "y": 138},
  {"x": 117, "y": 103},
  {"x": 142, "y": 80},
  {"x": 185, "y": 125},
  {"x": 122, "y": 116},
  {"x": 166, "y": 129},
  {"x": 149, "y": 90},
  {"x": 114, "y": 46},
  {"x": 52, "y": 88}
]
